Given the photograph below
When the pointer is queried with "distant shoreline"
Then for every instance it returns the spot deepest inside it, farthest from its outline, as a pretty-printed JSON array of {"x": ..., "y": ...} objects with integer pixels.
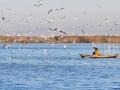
[{"x": 60, "y": 39}]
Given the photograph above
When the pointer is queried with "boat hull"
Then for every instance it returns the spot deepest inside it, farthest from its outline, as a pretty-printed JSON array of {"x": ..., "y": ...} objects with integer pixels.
[{"x": 102, "y": 56}]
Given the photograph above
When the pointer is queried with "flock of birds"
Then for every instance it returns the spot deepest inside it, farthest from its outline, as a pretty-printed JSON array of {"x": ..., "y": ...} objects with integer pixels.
[
  {"x": 53, "y": 28},
  {"x": 39, "y": 3}
]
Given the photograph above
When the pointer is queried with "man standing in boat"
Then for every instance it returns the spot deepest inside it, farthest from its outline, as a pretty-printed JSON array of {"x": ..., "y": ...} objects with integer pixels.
[{"x": 96, "y": 52}]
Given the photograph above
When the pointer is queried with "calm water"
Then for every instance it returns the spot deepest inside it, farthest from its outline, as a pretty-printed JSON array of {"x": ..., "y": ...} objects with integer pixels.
[{"x": 56, "y": 67}]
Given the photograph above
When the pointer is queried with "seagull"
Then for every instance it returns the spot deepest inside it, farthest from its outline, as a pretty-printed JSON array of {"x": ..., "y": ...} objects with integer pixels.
[
  {"x": 56, "y": 9},
  {"x": 53, "y": 29},
  {"x": 38, "y": 3},
  {"x": 50, "y": 11},
  {"x": 83, "y": 31},
  {"x": 6, "y": 46},
  {"x": 3, "y": 18},
  {"x": 62, "y": 32},
  {"x": 116, "y": 23},
  {"x": 107, "y": 20},
  {"x": 59, "y": 9},
  {"x": 27, "y": 19},
  {"x": 62, "y": 8}
]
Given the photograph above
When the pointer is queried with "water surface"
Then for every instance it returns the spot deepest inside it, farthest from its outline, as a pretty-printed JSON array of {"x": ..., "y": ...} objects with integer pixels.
[{"x": 56, "y": 67}]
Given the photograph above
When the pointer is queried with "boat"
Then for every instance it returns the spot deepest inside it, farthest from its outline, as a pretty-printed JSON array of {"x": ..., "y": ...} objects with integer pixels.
[{"x": 101, "y": 56}]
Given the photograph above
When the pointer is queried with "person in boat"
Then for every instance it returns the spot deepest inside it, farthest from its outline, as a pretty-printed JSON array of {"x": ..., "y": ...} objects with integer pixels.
[{"x": 96, "y": 52}]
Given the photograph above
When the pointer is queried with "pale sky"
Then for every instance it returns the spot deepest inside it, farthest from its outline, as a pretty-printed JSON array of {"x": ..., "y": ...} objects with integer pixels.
[{"x": 79, "y": 17}]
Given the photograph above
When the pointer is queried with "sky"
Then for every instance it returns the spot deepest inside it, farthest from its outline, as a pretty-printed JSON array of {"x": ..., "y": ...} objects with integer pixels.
[{"x": 74, "y": 17}]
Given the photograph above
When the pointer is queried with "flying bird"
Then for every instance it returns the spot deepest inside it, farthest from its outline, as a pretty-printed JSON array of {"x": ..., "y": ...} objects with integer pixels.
[
  {"x": 38, "y": 3},
  {"x": 62, "y": 8},
  {"x": 56, "y": 9},
  {"x": 107, "y": 20},
  {"x": 53, "y": 29},
  {"x": 83, "y": 31},
  {"x": 116, "y": 23},
  {"x": 59, "y": 9},
  {"x": 3, "y": 18},
  {"x": 62, "y": 32},
  {"x": 50, "y": 11}
]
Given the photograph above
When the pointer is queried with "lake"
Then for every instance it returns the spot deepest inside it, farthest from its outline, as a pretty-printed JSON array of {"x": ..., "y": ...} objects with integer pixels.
[{"x": 57, "y": 67}]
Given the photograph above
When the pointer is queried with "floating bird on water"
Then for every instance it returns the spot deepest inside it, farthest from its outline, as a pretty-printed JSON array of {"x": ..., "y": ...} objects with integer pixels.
[{"x": 6, "y": 46}]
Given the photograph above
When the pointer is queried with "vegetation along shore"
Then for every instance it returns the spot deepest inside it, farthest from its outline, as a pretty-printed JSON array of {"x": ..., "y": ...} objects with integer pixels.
[{"x": 60, "y": 39}]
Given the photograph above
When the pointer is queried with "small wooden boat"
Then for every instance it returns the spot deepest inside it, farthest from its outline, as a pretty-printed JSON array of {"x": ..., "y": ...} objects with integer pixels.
[{"x": 102, "y": 56}]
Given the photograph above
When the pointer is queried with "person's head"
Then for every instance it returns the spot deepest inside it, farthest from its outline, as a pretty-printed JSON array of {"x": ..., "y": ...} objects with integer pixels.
[{"x": 95, "y": 48}]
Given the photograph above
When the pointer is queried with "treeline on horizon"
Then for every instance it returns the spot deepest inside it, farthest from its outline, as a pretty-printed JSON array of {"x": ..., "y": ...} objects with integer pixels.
[{"x": 60, "y": 39}]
